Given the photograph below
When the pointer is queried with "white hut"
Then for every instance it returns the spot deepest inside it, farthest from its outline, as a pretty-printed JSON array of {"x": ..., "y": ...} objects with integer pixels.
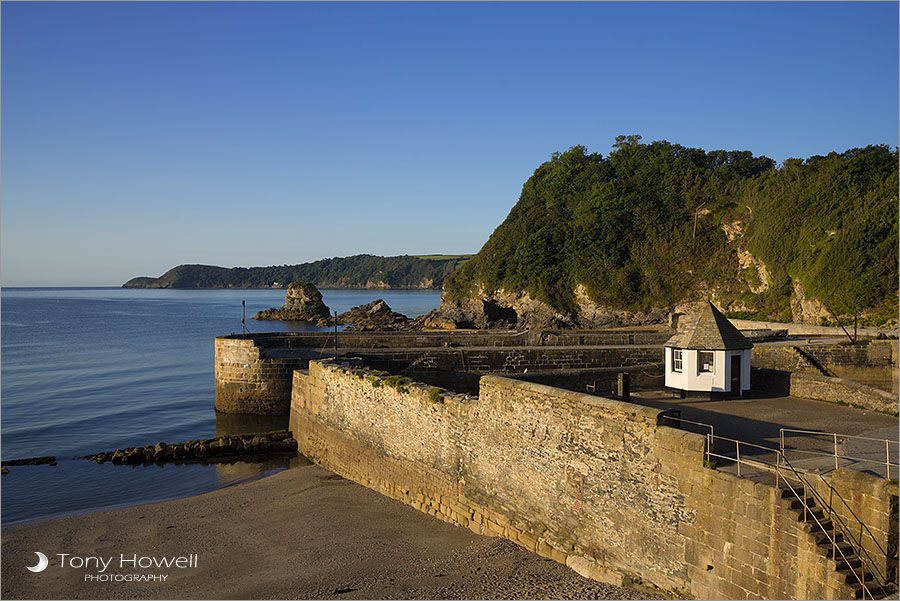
[{"x": 708, "y": 355}]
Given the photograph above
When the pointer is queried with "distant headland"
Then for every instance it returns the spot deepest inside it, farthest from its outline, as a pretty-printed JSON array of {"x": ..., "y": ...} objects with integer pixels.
[{"x": 425, "y": 272}]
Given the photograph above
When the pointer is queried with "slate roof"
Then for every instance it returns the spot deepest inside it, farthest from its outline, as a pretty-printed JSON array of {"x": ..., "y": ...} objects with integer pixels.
[{"x": 710, "y": 331}]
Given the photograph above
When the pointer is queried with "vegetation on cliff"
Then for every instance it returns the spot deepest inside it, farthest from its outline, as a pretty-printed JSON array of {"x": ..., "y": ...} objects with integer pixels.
[
  {"x": 359, "y": 271},
  {"x": 648, "y": 226}
]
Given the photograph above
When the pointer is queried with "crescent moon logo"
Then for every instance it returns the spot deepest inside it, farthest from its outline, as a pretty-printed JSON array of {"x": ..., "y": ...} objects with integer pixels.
[{"x": 41, "y": 564}]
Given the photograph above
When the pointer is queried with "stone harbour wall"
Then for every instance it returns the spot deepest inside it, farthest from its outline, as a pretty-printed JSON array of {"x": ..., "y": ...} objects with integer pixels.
[
  {"x": 874, "y": 364},
  {"x": 252, "y": 379},
  {"x": 600, "y": 485},
  {"x": 823, "y": 388},
  {"x": 253, "y": 372},
  {"x": 874, "y": 502}
]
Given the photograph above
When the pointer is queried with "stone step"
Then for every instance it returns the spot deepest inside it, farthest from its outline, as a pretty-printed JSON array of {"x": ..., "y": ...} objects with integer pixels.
[
  {"x": 852, "y": 576},
  {"x": 823, "y": 525},
  {"x": 847, "y": 562},
  {"x": 825, "y": 543},
  {"x": 788, "y": 493},
  {"x": 797, "y": 504},
  {"x": 873, "y": 591},
  {"x": 811, "y": 514}
]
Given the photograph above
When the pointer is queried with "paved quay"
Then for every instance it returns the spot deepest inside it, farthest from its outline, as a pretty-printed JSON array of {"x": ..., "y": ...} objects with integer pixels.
[{"x": 759, "y": 419}]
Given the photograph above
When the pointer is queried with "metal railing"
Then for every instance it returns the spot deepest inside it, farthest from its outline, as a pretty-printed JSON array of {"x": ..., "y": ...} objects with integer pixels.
[
  {"x": 838, "y": 525},
  {"x": 738, "y": 459},
  {"x": 785, "y": 472},
  {"x": 835, "y": 437}
]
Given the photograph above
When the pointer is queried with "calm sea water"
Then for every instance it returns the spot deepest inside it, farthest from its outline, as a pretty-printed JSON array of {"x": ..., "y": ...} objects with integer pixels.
[{"x": 93, "y": 369}]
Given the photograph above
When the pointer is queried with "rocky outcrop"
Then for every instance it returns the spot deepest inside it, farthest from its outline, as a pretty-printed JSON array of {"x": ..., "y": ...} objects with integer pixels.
[
  {"x": 263, "y": 443},
  {"x": 303, "y": 302},
  {"x": 374, "y": 315},
  {"x": 504, "y": 310},
  {"x": 49, "y": 460},
  {"x": 807, "y": 310}
]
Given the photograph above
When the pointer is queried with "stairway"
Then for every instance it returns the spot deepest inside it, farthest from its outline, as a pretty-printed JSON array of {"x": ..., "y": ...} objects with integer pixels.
[
  {"x": 845, "y": 560},
  {"x": 804, "y": 357}
]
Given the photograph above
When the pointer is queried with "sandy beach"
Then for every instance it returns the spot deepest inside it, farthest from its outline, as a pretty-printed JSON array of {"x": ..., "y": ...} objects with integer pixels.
[{"x": 304, "y": 533}]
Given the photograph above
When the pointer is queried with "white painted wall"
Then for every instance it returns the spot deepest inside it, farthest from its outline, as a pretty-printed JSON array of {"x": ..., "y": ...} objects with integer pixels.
[{"x": 719, "y": 380}]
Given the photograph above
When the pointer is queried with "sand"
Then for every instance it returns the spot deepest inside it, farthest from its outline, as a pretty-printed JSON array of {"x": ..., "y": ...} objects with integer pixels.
[{"x": 303, "y": 533}]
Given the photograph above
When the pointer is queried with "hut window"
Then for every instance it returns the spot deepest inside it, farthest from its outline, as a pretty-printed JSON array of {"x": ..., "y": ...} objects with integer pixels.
[
  {"x": 706, "y": 361},
  {"x": 676, "y": 360}
]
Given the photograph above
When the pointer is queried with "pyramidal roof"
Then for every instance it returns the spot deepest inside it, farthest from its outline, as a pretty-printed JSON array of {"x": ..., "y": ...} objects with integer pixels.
[{"x": 710, "y": 331}]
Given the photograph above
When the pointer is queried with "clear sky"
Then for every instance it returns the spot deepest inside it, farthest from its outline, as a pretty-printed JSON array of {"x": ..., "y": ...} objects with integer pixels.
[{"x": 139, "y": 136}]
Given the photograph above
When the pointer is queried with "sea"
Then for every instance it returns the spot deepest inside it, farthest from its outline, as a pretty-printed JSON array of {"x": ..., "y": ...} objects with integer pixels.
[{"x": 85, "y": 370}]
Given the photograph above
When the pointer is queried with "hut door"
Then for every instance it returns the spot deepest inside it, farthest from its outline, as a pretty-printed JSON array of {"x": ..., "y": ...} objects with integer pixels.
[{"x": 735, "y": 375}]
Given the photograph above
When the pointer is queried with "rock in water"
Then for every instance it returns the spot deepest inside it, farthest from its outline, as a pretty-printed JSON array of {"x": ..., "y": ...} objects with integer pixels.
[
  {"x": 376, "y": 314},
  {"x": 303, "y": 302}
]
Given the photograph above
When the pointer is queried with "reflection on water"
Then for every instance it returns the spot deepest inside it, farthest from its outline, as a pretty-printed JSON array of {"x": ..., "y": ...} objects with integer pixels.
[
  {"x": 231, "y": 424},
  {"x": 239, "y": 471}
]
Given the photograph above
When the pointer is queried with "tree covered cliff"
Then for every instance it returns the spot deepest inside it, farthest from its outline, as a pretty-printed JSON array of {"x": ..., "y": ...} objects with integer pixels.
[
  {"x": 654, "y": 225},
  {"x": 359, "y": 271}
]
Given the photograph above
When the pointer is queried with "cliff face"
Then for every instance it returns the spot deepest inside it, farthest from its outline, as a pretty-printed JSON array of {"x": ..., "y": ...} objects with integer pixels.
[{"x": 627, "y": 239}]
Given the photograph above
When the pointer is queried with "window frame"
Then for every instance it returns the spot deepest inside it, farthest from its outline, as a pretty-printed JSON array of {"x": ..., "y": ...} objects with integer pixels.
[
  {"x": 677, "y": 360},
  {"x": 712, "y": 362}
]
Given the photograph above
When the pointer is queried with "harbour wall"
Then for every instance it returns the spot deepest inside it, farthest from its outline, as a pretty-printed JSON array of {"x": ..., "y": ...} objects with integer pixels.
[
  {"x": 823, "y": 388},
  {"x": 603, "y": 486},
  {"x": 874, "y": 363},
  {"x": 253, "y": 372}
]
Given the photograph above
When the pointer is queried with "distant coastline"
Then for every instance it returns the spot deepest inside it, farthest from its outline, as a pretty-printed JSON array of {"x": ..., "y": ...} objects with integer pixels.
[{"x": 359, "y": 272}]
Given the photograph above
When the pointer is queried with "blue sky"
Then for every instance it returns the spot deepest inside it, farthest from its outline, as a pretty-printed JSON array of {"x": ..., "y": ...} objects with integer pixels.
[{"x": 139, "y": 136}]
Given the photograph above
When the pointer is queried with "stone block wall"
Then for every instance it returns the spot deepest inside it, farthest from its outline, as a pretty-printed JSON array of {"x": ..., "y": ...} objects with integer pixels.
[
  {"x": 603, "y": 379},
  {"x": 248, "y": 380},
  {"x": 874, "y": 364},
  {"x": 471, "y": 338},
  {"x": 823, "y": 388},
  {"x": 594, "y": 483},
  {"x": 856, "y": 497},
  {"x": 253, "y": 372}
]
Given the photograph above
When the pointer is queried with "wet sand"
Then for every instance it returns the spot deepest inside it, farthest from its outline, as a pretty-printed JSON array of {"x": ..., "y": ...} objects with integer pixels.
[{"x": 303, "y": 533}]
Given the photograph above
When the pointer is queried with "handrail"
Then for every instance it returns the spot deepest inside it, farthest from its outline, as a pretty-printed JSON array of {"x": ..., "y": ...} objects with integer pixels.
[
  {"x": 834, "y": 546},
  {"x": 837, "y": 521},
  {"x": 862, "y": 524},
  {"x": 737, "y": 459},
  {"x": 873, "y": 566},
  {"x": 834, "y": 435},
  {"x": 709, "y": 437}
]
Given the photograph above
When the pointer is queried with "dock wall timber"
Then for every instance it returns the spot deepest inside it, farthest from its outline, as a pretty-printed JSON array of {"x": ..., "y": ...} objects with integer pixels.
[{"x": 600, "y": 485}]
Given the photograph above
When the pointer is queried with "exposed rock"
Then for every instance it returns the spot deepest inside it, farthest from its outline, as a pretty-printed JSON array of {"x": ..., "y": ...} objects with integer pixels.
[
  {"x": 50, "y": 460},
  {"x": 747, "y": 260},
  {"x": 303, "y": 302},
  {"x": 279, "y": 441},
  {"x": 806, "y": 310},
  {"x": 376, "y": 314},
  {"x": 504, "y": 310},
  {"x": 593, "y": 315}
]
